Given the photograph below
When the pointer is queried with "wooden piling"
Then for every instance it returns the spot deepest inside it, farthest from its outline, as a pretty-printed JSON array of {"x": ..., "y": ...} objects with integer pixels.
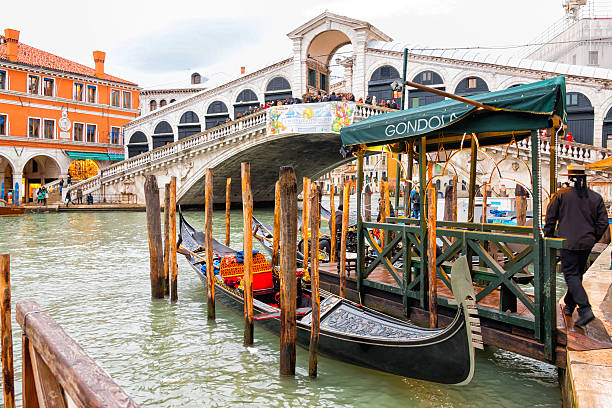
[
  {"x": 345, "y": 221},
  {"x": 455, "y": 194},
  {"x": 247, "y": 247},
  {"x": 315, "y": 218},
  {"x": 8, "y": 372},
  {"x": 210, "y": 269},
  {"x": 276, "y": 229},
  {"x": 431, "y": 257},
  {"x": 305, "y": 219},
  {"x": 367, "y": 204},
  {"x": 228, "y": 204},
  {"x": 156, "y": 253},
  {"x": 288, "y": 269},
  {"x": 167, "y": 239},
  {"x": 484, "y": 203},
  {"x": 173, "y": 248},
  {"x": 521, "y": 209},
  {"x": 332, "y": 224},
  {"x": 382, "y": 214},
  {"x": 387, "y": 207}
]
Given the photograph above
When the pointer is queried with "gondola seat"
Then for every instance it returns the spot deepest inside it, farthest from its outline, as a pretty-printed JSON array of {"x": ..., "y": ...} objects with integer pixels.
[{"x": 232, "y": 273}]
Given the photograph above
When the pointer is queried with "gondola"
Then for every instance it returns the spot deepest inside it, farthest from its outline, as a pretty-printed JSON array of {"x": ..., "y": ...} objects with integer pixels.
[
  {"x": 7, "y": 209},
  {"x": 351, "y": 332}
]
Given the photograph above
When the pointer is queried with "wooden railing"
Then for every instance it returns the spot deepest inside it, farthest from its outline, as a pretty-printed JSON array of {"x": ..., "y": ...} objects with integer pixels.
[{"x": 56, "y": 369}]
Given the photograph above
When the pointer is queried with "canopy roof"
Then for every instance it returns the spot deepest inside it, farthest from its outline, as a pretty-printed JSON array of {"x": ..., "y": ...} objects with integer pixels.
[
  {"x": 518, "y": 111},
  {"x": 605, "y": 164}
]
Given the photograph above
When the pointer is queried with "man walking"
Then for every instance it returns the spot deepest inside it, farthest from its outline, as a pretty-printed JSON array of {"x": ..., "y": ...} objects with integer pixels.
[
  {"x": 580, "y": 216},
  {"x": 336, "y": 224}
]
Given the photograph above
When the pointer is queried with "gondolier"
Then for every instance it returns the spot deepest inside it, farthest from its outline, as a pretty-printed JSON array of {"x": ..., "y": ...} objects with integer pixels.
[{"x": 579, "y": 215}]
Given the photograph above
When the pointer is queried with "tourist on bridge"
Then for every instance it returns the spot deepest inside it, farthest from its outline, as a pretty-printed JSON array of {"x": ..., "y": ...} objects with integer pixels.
[
  {"x": 61, "y": 185},
  {"x": 579, "y": 215},
  {"x": 79, "y": 196},
  {"x": 68, "y": 199}
]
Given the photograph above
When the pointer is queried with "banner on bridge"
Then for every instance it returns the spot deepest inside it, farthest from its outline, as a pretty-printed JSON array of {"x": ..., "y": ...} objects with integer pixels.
[{"x": 309, "y": 118}]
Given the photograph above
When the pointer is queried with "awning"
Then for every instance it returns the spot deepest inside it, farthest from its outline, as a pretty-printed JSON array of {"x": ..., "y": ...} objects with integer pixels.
[
  {"x": 605, "y": 164},
  {"x": 95, "y": 156},
  {"x": 519, "y": 110}
]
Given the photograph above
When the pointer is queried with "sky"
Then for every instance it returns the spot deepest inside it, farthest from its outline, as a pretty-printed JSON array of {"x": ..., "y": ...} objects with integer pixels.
[{"x": 158, "y": 44}]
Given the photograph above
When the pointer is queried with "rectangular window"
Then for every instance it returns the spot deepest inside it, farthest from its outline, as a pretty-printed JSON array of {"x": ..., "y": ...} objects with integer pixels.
[
  {"x": 115, "y": 95},
  {"x": 426, "y": 76},
  {"x": 77, "y": 132},
  {"x": 312, "y": 77},
  {"x": 33, "y": 84},
  {"x": 3, "y": 84},
  {"x": 91, "y": 133},
  {"x": 33, "y": 127},
  {"x": 48, "y": 87},
  {"x": 114, "y": 135},
  {"x": 471, "y": 83},
  {"x": 127, "y": 100},
  {"x": 414, "y": 102},
  {"x": 3, "y": 125},
  {"x": 593, "y": 57},
  {"x": 574, "y": 59},
  {"x": 49, "y": 129},
  {"x": 323, "y": 81},
  {"x": 78, "y": 93},
  {"x": 91, "y": 93},
  {"x": 571, "y": 99}
]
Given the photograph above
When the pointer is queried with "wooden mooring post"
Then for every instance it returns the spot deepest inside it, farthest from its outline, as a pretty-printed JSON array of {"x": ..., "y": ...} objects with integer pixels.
[
  {"x": 315, "y": 219},
  {"x": 332, "y": 223},
  {"x": 305, "y": 219},
  {"x": 210, "y": 269},
  {"x": 276, "y": 227},
  {"x": 6, "y": 330},
  {"x": 228, "y": 204},
  {"x": 55, "y": 365},
  {"x": 156, "y": 253},
  {"x": 431, "y": 257},
  {"x": 288, "y": 269},
  {"x": 167, "y": 239},
  {"x": 247, "y": 247},
  {"x": 173, "y": 248},
  {"x": 345, "y": 221},
  {"x": 367, "y": 204}
]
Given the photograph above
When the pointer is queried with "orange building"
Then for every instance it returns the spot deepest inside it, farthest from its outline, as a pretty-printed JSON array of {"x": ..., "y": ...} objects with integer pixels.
[{"x": 57, "y": 117}]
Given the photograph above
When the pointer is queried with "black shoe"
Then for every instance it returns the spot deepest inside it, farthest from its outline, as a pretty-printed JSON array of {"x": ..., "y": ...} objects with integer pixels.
[
  {"x": 585, "y": 317},
  {"x": 568, "y": 311}
]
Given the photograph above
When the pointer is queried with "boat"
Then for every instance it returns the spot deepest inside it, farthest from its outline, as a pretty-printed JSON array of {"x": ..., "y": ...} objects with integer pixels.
[
  {"x": 7, "y": 209},
  {"x": 350, "y": 332}
]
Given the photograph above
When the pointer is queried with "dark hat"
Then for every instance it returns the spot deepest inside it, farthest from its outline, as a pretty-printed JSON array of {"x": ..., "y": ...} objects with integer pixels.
[{"x": 575, "y": 170}]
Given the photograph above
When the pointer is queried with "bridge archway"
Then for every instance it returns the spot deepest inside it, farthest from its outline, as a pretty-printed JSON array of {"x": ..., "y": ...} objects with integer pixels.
[
  {"x": 189, "y": 124},
  {"x": 246, "y": 99},
  {"x": 379, "y": 85},
  {"x": 471, "y": 85},
  {"x": 417, "y": 97},
  {"x": 322, "y": 48},
  {"x": 277, "y": 88},
  {"x": 580, "y": 117},
  {"x": 39, "y": 170},
  {"x": 216, "y": 114},
  {"x": 137, "y": 144},
  {"x": 162, "y": 135}
]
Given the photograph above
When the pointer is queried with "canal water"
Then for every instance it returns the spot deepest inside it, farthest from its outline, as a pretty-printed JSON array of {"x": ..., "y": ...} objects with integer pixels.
[{"x": 90, "y": 271}]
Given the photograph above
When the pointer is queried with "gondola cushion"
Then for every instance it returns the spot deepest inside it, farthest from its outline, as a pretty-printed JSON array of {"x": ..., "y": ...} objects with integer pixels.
[{"x": 232, "y": 270}]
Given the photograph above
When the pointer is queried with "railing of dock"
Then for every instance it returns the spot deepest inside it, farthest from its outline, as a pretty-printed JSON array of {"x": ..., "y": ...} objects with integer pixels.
[{"x": 57, "y": 372}]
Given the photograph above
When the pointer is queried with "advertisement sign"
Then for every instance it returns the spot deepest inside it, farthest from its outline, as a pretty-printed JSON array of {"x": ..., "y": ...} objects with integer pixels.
[{"x": 309, "y": 118}]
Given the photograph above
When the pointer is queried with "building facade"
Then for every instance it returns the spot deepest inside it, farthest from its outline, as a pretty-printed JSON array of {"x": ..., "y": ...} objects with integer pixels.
[{"x": 57, "y": 117}]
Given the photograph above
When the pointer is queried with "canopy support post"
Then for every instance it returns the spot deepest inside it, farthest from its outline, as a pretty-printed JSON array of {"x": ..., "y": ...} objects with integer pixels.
[
  {"x": 360, "y": 236},
  {"x": 423, "y": 220},
  {"x": 537, "y": 237},
  {"x": 472, "y": 196},
  {"x": 407, "y": 203},
  {"x": 403, "y": 104}
]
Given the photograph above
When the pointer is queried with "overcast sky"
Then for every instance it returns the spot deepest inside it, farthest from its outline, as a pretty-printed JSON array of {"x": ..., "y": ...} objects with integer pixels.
[{"x": 157, "y": 44}]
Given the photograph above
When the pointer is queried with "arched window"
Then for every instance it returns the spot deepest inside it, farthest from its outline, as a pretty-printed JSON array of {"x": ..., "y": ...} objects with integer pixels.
[
  {"x": 419, "y": 98},
  {"x": 195, "y": 78},
  {"x": 380, "y": 83},
  {"x": 138, "y": 144},
  {"x": 216, "y": 114},
  {"x": 278, "y": 88},
  {"x": 189, "y": 124},
  {"x": 471, "y": 86},
  {"x": 162, "y": 103},
  {"x": 152, "y": 105},
  {"x": 245, "y": 100},
  {"x": 172, "y": 100},
  {"x": 162, "y": 135},
  {"x": 580, "y": 117}
]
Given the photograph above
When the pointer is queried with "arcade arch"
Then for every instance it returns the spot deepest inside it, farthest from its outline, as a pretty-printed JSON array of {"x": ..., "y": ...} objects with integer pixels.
[
  {"x": 137, "y": 144},
  {"x": 471, "y": 85},
  {"x": 606, "y": 132},
  {"x": 189, "y": 124},
  {"x": 322, "y": 48},
  {"x": 162, "y": 135},
  {"x": 246, "y": 99},
  {"x": 216, "y": 114},
  {"x": 152, "y": 105},
  {"x": 379, "y": 85},
  {"x": 162, "y": 103},
  {"x": 277, "y": 88},
  {"x": 6, "y": 176},
  {"x": 416, "y": 97},
  {"x": 580, "y": 117},
  {"x": 39, "y": 170}
]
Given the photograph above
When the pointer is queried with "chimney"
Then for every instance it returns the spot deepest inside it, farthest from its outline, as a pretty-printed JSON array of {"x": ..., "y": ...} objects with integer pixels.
[
  {"x": 99, "y": 61},
  {"x": 242, "y": 70},
  {"x": 12, "y": 41}
]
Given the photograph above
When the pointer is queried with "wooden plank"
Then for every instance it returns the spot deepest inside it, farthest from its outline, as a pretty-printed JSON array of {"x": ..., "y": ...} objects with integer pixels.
[
  {"x": 247, "y": 247},
  {"x": 167, "y": 239},
  {"x": 332, "y": 223},
  {"x": 208, "y": 231},
  {"x": 276, "y": 229},
  {"x": 315, "y": 218},
  {"x": 288, "y": 269},
  {"x": 173, "y": 248},
  {"x": 28, "y": 385},
  {"x": 87, "y": 384},
  {"x": 305, "y": 219},
  {"x": 228, "y": 204},
  {"x": 432, "y": 268},
  {"x": 49, "y": 392},
  {"x": 8, "y": 372},
  {"x": 345, "y": 222},
  {"x": 156, "y": 253}
]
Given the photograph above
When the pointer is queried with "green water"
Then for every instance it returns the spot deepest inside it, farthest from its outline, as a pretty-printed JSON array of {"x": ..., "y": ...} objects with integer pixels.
[{"x": 90, "y": 271}]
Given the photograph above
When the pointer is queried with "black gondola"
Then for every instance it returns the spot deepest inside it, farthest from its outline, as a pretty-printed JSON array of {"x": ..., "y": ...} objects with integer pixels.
[{"x": 359, "y": 335}]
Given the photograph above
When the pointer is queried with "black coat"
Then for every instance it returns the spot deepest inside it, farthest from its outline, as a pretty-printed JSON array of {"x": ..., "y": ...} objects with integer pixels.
[
  {"x": 581, "y": 221},
  {"x": 336, "y": 223}
]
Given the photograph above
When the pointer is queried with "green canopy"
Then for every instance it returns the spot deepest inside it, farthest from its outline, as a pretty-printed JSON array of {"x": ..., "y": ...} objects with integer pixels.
[
  {"x": 95, "y": 156},
  {"x": 519, "y": 110}
]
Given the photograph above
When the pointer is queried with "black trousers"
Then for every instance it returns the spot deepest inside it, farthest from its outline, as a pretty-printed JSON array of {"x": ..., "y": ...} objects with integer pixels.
[{"x": 574, "y": 267}]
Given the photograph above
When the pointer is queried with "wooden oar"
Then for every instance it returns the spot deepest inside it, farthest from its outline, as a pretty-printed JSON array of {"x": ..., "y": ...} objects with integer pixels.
[{"x": 184, "y": 251}]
